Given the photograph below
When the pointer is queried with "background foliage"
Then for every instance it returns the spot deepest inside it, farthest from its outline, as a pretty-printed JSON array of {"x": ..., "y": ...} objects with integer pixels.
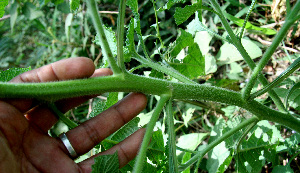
[{"x": 38, "y": 32}]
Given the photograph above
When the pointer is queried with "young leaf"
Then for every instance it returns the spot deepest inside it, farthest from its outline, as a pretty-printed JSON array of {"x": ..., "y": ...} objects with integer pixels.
[
  {"x": 193, "y": 65},
  {"x": 291, "y": 90},
  {"x": 7, "y": 75},
  {"x": 13, "y": 11},
  {"x": 125, "y": 131},
  {"x": 112, "y": 42},
  {"x": 106, "y": 164},
  {"x": 111, "y": 99},
  {"x": 183, "y": 40},
  {"x": 182, "y": 14},
  {"x": 97, "y": 108},
  {"x": 156, "y": 148},
  {"x": 228, "y": 52},
  {"x": 3, "y": 4},
  {"x": 74, "y": 4}
]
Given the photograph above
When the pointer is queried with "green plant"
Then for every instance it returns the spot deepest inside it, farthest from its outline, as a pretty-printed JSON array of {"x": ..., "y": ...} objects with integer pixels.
[{"x": 178, "y": 85}]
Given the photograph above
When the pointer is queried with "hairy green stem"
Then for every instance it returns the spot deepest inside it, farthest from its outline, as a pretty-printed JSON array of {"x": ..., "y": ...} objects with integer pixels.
[
  {"x": 236, "y": 42},
  {"x": 290, "y": 20},
  {"x": 141, "y": 157},
  {"x": 52, "y": 91},
  {"x": 98, "y": 24},
  {"x": 217, "y": 141},
  {"x": 120, "y": 35},
  {"x": 173, "y": 165},
  {"x": 62, "y": 117},
  {"x": 157, "y": 25},
  {"x": 287, "y": 72},
  {"x": 247, "y": 17}
]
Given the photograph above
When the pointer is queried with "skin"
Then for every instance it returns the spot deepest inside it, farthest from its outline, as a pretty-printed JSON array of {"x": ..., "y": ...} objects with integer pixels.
[{"x": 24, "y": 141}]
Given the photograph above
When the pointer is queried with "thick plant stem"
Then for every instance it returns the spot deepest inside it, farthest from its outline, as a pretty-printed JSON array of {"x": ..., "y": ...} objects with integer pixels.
[
  {"x": 141, "y": 157},
  {"x": 120, "y": 35},
  {"x": 290, "y": 20},
  {"x": 173, "y": 165},
  {"x": 98, "y": 24},
  {"x": 217, "y": 141},
  {"x": 236, "y": 42},
  {"x": 52, "y": 91}
]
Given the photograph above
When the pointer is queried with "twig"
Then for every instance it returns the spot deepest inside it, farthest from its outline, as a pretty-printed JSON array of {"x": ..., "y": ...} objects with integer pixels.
[
  {"x": 265, "y": 42},
  {"x": 4, "y": 17}
]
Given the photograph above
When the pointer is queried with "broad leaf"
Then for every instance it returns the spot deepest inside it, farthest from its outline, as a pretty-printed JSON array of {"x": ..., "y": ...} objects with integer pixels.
[
  {"x": 190, "y": 141},
  {"x": 228, "y": 53},
  {"x": 156, "y": 149},
  {"x": 112, "y": 42},
  {"x": 7, "y": 75},
  {"x": 193, "y": 65},
  {"x": 106, "y": 164},
  {"x": 183, "y": 40},
  {"x": 31, "y": 11},
  {"x": 182, "y": 14}
]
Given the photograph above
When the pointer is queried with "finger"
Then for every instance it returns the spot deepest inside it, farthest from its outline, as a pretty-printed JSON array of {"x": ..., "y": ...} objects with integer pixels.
[
  {"x": 72, "y": 68},
  {"x": 87, "y": 135},
  {"x": 44, "y": 118},
  {"x": 126, "y": 149}
]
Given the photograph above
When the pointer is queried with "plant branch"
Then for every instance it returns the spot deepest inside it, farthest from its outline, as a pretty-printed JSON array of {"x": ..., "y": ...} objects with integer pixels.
[
  {"x": 173, "y": 165},
  {"x": 217, "y": 141},
  {"x": 52, "y": 91},
  {"x": 62, "y": 117},
  {"x": 120, "y": 35},
  {"x": 290, "y": 20},
  {"x": 236, "y": 42},
  {"x": 98, "y": 24},
  {"x": 141, "y": 157}
]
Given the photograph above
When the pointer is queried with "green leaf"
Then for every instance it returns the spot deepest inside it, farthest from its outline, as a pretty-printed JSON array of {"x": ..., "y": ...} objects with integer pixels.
[
  {"x": 190, "y": 141},
  {"x": 56, "y": 2},
  {"x": 31, "y": 12},
  {"x": 3, "y": 4},
  {"x": 111, "y": 99},
  {"x": 74, "y": 4},
  {"x": 290, "y": 92},
  {"x": 106, "y": 164},
  {"x": 130, "y": 46},
  {"x": 156, "y": 148},
  {"x": 98, "y": 107},
  {"x": 228, "y": 53},
  {"x": 258, "y": 148},
  {"x": 43, "y": 2},
  {"x": 13, "y": 11},
  {"x": 240, "y": 22},
  {"x": 9, "y": 74},
  {"x": 183, "y": 40},
  {"x": 193, "y": 65},
  {"x": 182, "y": 14},
  {"x": 112, "y": 42},
  {"x": 281, "y": 169},
  {"x": 121, "y": 134},
  {"x": 68, "y": 24},
  {"x": 217, "y": 156}
]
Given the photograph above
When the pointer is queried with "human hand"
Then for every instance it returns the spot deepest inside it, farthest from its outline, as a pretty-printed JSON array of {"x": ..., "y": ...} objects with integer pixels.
[{"x": 25, "y": 145}]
